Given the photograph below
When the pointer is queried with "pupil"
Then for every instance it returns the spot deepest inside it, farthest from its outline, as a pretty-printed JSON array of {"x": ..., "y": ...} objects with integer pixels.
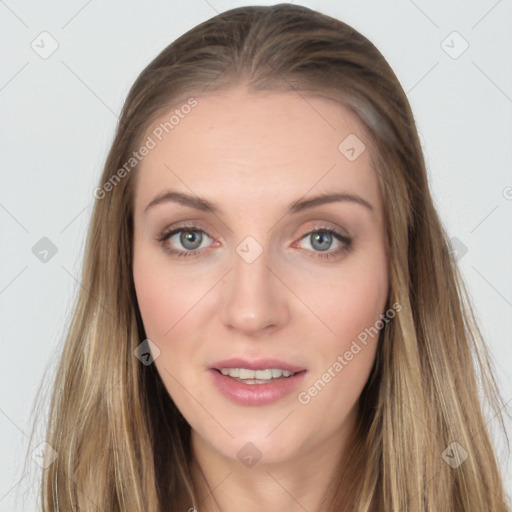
[
  {"x": 324, "y": 240},
  {"x": 191, "y": 237}
]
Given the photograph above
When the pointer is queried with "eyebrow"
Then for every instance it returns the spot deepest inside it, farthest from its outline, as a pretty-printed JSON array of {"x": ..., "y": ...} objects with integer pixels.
[{"x": 204, "y": 205}]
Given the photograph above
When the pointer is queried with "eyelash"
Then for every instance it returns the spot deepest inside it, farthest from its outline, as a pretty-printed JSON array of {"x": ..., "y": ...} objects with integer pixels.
[{"x": 166, "y": 234}]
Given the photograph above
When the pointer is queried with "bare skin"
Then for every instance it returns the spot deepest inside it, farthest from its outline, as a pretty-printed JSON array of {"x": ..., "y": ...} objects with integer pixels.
[{"x": 254, "y": 155}]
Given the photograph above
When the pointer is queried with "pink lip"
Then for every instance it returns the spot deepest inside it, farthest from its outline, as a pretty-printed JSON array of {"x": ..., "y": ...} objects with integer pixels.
[
  {"x": 256, "y": 394},
  {"x": 260, "y": 364}
]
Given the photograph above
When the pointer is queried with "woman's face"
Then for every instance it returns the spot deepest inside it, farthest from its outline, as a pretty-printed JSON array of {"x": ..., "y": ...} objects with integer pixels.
[{"x": 238, "y": 265}]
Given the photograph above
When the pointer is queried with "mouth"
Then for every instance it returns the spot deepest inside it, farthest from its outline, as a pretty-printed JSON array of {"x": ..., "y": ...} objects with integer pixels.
[{"x": 254, "y": 383}]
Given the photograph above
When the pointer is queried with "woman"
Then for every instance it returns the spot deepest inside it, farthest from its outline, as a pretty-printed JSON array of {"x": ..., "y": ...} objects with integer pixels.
[{"x": 270, "y": 315}]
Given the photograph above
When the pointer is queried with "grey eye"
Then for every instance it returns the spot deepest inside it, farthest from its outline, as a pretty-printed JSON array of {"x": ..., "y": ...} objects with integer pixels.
[
  {"x": 321, "y": 240},
  {"x": 191, "y": 240}
]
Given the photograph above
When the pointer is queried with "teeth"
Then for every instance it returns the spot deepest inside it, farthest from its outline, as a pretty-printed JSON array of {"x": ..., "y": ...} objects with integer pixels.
[{"x": 245, "y": 374}]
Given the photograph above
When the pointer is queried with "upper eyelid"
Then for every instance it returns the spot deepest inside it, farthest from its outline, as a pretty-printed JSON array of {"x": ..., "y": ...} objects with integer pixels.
[{"x": 198, "y": 225}]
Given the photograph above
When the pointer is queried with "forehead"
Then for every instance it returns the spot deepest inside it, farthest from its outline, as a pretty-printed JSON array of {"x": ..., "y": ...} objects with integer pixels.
[{"x": 268, "y": 147}]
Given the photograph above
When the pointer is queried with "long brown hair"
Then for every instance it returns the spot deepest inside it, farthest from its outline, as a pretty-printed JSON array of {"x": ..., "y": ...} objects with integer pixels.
[{"x": 121, "y": 442}]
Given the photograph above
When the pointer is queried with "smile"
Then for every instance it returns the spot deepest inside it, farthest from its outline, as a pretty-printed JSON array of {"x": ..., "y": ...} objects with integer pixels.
[
  {"x": 256, "y": 387},
  {"x": 256, "y": 376}
]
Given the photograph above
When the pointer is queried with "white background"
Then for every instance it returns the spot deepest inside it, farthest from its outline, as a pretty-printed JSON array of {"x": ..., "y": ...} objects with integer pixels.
[{"x": 57, "y": 121}]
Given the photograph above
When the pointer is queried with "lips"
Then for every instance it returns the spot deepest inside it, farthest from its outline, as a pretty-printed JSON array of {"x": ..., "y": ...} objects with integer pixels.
[{"x": 256, "y": 392}]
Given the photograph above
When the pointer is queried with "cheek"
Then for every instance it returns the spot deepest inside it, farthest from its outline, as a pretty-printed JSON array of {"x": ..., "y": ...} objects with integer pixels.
[
  {"x": 157, "y": 302},
  {"x": 166, "y": 294},
  {"x": 170, "y": 305},
  {"x": 350, "y": 304},
  {"x": 350, "y": 300},
  {"x": 159, "y": 296}
]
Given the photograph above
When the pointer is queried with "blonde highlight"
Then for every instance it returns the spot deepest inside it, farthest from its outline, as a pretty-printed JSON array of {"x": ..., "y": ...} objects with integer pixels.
[{"x": 124, "y": 445}]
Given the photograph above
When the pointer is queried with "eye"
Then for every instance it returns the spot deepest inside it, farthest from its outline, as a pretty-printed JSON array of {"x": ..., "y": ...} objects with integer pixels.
[
  {"x": 321, "y": 240},
  {"x": 193, "y": 240},
  {"x": 190, "y": 238}
]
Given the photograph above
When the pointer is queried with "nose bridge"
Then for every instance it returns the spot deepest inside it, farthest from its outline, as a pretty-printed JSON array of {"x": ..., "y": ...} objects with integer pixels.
[{"x": 253, "y": 298}]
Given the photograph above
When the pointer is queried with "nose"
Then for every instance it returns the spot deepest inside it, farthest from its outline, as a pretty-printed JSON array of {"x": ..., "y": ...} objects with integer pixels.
[{"x": 254, "y": 300}]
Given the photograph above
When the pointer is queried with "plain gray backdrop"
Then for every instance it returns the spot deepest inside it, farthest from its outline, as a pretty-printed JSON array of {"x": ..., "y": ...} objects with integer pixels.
[{"x": 66, "y": 68}]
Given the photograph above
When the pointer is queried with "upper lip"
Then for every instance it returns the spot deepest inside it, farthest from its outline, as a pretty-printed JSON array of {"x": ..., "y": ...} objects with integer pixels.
[{"x": 256, "y": 364}]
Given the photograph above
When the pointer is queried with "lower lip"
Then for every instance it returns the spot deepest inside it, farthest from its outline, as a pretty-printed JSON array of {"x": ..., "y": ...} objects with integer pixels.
[{"x": 256, "y": 394}]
